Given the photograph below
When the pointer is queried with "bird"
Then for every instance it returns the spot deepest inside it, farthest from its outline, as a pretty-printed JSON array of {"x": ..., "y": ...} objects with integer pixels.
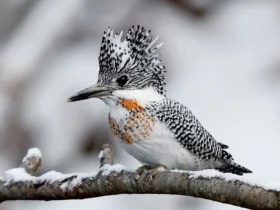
[{"x": 154, "y": 129}]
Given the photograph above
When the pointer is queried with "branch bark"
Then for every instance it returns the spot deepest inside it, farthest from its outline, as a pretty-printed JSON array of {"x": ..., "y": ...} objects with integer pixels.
[{"x": 115, "y": 180}]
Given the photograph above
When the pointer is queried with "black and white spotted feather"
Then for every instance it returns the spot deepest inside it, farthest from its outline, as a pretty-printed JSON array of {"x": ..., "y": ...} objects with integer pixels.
[{"x": 190, "y": 133}]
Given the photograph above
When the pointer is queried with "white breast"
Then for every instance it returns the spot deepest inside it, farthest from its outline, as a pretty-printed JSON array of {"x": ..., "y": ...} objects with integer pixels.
[
  {"x": 161, "y": 148},
  {"x": 158, "y": 148}
]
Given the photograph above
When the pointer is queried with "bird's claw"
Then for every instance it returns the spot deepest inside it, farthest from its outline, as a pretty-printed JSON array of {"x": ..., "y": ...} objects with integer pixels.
[
  {"x": 154, "y": 171},
  {"x": 141, "y": 169}
]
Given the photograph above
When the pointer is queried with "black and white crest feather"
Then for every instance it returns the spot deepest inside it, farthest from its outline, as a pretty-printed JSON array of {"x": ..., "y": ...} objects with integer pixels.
[{"x": 133, "y": 56}]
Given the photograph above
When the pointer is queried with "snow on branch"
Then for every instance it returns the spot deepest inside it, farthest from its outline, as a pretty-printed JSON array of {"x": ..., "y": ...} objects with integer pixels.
[{"x": 20, "y": 184}]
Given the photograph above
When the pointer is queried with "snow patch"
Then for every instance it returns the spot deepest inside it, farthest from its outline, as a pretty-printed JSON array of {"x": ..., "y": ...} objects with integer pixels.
[
  {"x": 64, "y": 186},
  {"x": 53, "y": 176},
  {"x": 250, "y": 179},
  {"x": 101, "y": 154},
  {"x": 33, "y": 152},
  {"x": 17, "y": 174},
  {"x": 77, "y": 181},
  {"x": 80, "y": 177},
  {"x": 105, "y": 167},
  {"x": 114, "y": 168}
]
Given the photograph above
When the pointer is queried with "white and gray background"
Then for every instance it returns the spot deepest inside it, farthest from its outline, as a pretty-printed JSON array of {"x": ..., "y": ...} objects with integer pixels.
[{"x": 223, "y": 62}]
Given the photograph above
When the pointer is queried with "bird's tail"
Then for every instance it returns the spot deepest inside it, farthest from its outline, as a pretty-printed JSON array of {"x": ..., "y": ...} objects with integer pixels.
[{"x": 234, "y": 168}]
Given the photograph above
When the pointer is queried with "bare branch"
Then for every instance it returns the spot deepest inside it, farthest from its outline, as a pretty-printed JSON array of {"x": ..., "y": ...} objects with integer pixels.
[{"x": 116, "y": 179}]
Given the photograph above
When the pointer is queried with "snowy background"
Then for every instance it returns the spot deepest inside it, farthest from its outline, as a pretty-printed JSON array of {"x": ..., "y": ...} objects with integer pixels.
[{"x": 223, "y": 62}]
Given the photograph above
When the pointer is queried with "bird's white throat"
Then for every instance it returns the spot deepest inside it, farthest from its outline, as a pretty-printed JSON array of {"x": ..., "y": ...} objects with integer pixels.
[{"x": 143, "y": 96}]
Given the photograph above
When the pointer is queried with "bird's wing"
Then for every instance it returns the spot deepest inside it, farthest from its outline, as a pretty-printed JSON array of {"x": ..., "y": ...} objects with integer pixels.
[{"x": 188, "y": 131}]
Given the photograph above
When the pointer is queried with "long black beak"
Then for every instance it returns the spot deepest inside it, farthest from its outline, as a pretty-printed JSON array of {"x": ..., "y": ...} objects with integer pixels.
[{"x": 94, "y": 91}]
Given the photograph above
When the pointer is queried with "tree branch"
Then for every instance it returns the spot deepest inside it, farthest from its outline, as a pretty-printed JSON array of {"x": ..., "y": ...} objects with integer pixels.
[{"x": 116, "y": 179}]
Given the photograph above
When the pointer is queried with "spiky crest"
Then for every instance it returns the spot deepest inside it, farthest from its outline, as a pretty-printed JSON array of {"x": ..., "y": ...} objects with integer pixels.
[{"x": 133, "y": 56}]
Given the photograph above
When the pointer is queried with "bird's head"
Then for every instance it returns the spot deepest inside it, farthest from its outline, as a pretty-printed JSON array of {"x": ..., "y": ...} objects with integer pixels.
[{"x": 126, "y": 65}]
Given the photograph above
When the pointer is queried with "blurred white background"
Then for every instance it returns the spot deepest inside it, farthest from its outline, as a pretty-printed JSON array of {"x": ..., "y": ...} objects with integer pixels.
[{"x": 223, "y": 62}]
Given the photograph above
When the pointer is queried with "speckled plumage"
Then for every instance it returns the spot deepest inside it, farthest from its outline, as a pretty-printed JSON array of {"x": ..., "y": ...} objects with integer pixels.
[
  {"x": 188, "y": 130},
  {"x": 136, "y": 125},
  {"x": 150, "y": 127}
]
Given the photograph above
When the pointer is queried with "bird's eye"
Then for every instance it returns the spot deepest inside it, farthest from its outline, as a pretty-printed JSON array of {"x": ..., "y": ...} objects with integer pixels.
[{"x": 122, "y": 80}]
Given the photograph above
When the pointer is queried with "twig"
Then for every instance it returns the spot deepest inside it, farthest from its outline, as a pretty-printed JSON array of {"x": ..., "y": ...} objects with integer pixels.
[
  {"x": 106, "y": 155},
  {"x": 32, "y": 161}
]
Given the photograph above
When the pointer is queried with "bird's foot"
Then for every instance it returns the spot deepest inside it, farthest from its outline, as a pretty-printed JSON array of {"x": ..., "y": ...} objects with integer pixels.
[
  {"x": 141, "y": 169},
  {"x": 154, "y": 171}
]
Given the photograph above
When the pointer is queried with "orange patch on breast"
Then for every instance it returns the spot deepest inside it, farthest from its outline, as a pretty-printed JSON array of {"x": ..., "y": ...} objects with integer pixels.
[
  {"x": 116, "y": 129},
  {"x": 135, "y": 126},
  {"x": 131, "y": 104}
]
